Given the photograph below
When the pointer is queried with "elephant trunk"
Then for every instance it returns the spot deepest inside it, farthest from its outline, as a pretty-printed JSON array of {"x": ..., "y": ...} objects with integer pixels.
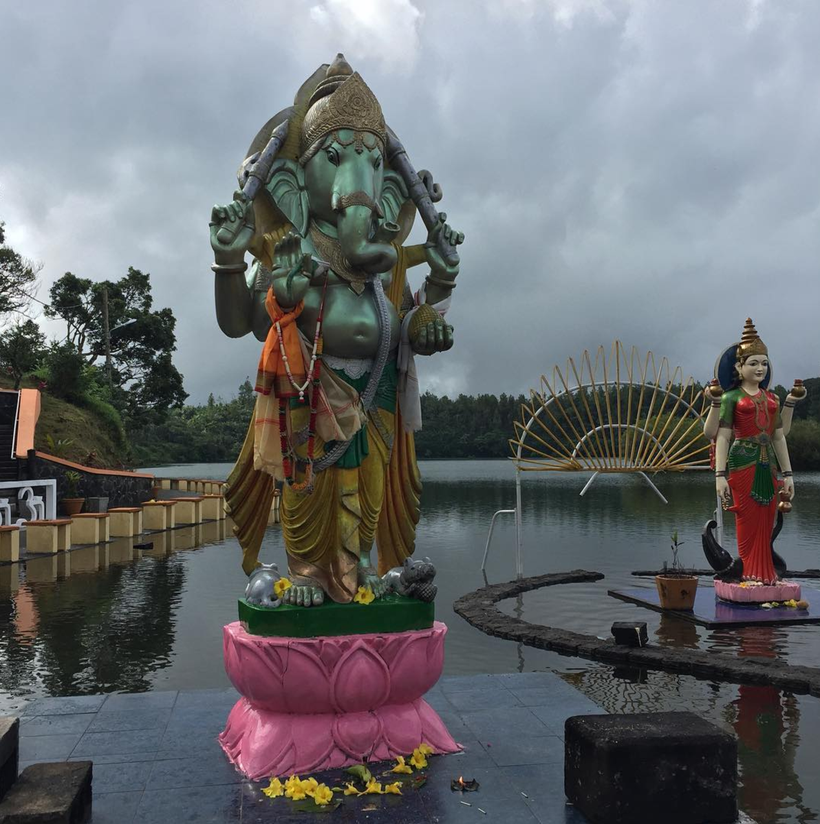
[{"x": 353, "y": 227}]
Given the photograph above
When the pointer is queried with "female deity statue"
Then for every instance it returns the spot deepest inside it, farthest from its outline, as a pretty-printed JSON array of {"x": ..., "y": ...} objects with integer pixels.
[
  {"x": 328, "y": 294},
  {"x": 749, "y": 430}
]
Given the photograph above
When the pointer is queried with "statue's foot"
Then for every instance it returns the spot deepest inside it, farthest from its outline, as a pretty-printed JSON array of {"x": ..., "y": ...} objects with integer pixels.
[
  {"x": 304, "y": 595},
  {"x": 369, "y": 577}
]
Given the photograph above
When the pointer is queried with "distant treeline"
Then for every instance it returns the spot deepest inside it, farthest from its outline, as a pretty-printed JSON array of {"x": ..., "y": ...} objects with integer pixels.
[{"x": 469, "y": 426}]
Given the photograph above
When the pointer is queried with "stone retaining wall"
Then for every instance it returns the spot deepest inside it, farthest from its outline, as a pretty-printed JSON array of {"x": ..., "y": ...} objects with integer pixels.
[
  {"x": 478, "y": 608},
  {"x": 121, "y": 488}
]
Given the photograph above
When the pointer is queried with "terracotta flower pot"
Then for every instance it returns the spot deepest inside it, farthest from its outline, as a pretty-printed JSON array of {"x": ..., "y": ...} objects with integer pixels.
[
  {"x": 677, "y": 592},
  {"x": 72, "y": 506}
]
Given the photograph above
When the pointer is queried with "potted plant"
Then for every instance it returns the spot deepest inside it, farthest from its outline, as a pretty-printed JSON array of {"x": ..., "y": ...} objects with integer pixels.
[
  {"x": 677, "y": 587},
  {"x": 72, "y": 505}
]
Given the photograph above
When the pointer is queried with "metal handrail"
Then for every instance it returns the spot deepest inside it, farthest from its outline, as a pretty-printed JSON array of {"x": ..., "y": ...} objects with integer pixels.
[
  {"x": 490, "y": 534},
  {"x": 14, "y": 430}
]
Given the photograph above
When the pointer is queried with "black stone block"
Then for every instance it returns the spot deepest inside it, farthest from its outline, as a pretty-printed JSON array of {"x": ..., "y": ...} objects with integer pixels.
[
  {"x": 630, "y": 633},
  {"x": 670, "y": 767},
  {"x": 58, "y": 793},
  {"x": 9, "y": 753}
]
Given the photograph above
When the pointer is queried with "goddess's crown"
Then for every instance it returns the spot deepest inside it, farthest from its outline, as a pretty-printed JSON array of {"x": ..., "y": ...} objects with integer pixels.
[{"x": 750, "y": 343}]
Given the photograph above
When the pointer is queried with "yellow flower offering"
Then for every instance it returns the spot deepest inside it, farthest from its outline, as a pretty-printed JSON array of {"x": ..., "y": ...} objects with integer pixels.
[
  {"x": 418, "y": 760},
  {"x": 425, "y": 749},
  {"x": 373, "y": 788},
  {"x": 309, "y": 786},
  {"x": 295, "y": 793},
  {"x": 364, "y": 596},
  {"x": 281, "y": 587},
  {"x": 274, "y": 789},
  {"x": 401, "y": 767},
  {"x": 394, "y": 789},
  {"x": 351, "y": 790},
  {"x": 322, "y": 795}
]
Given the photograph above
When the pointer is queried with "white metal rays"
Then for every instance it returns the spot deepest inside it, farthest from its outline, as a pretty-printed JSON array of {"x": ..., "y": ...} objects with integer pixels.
[{"x": 617, "y": 413}]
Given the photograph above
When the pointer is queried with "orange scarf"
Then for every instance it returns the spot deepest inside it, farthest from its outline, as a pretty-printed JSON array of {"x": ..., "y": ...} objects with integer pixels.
[{"x": 272, "y": 374}]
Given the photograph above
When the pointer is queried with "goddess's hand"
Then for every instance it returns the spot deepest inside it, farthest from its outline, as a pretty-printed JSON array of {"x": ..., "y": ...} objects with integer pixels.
[
  {"x": 788, "y": 487},
  {"x": 723, "y": 490}
]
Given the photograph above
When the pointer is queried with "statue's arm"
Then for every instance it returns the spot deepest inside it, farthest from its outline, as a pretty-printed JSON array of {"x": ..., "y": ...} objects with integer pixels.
[
  {"x": 722, "y": 441},
  {"x": 234, "y": 303},
  {"x": 713, "y": 393},
  {"x": 232, "y": 227},
  {"x": 781, "y": 449}
]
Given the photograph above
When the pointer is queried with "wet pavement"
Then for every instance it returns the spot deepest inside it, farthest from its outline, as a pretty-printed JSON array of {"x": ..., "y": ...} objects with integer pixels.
[{"x": 156, "y": 757}]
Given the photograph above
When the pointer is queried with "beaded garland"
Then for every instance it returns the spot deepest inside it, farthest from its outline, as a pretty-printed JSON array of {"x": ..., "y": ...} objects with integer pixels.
[{"x": 312, "y": 380}]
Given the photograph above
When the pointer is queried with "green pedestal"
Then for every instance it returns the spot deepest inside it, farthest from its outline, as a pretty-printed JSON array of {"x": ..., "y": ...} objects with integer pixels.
[{"x": 395, "y": 613}]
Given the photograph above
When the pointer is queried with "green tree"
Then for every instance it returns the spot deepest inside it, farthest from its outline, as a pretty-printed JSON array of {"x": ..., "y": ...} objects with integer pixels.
[
  {"x": 146, "y": 382},
  {"x": 18, "y": 278},
  {"x": 22, "y": 348}
]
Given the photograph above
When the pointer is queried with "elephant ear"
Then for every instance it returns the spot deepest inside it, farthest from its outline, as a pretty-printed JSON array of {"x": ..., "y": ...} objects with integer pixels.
[
  {"x": 286, "y": 186},
  {"x": 396, "y": 204}
]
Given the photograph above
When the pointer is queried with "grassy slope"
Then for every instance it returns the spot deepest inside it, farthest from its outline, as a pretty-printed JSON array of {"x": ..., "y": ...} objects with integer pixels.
[{"x": 64, "y": 421}]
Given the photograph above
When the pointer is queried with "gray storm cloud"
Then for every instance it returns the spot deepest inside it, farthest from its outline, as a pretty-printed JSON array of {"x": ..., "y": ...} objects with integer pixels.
[{"x": 638, "y": 170}]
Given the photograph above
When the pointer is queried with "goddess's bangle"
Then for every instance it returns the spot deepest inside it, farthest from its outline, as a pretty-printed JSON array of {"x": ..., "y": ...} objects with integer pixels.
[
  {"x": 787, "y": 474},
  {"x": 228, "y": 268},
  {"x": 720, "y": 473},
  {"x": 715, "y": 404},
  {"x": 789, "y": 404}
]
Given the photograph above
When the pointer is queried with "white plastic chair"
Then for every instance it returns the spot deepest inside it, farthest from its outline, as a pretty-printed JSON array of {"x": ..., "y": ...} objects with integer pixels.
[{"x": 5, "y": 512}]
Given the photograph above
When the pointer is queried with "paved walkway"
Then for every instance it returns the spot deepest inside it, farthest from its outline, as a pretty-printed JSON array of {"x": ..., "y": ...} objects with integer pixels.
[{"x": 157, "y": 761}]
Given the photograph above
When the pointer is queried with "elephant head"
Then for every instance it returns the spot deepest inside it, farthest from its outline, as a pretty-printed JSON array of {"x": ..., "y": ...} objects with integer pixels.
[{"x": 340, "y": 180}]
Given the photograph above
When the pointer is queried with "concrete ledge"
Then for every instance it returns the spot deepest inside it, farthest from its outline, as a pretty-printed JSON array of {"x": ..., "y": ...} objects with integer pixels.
[
  {"x": 189, "y": 510},
  {"x": 478, "y": 608},
  {"x": 57, "y": 793},
  {"x": 9, "y": 544},
  {"x": 213, "y": 507},
  {"x": 90, "y": 528},
  {"x": 126, "y": 521},
  {"x": 9, "y": 753},
  {"x": 159, "y": 515},
  {"x": 48, "y": 537},
  {"x": 674, "y": 767}
]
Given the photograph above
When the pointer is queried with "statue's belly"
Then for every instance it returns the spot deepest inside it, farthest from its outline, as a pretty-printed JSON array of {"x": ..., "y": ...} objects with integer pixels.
[{"x": 351, "y": 324}]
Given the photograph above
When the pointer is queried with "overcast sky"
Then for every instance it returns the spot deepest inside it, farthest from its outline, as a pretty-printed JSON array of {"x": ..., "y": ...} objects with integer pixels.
[{"x": 640, "y": 170}]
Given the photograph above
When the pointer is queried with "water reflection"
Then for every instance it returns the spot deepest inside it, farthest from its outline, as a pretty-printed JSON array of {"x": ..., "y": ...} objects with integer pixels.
[{"x": 116, "y": 617}]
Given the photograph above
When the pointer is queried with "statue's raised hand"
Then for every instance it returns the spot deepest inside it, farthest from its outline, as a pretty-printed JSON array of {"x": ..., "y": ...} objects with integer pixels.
[
  {"x": 232, "y": 228},
  {"x": 291, "y": 270},
  {"x": 439, "y": 268}
]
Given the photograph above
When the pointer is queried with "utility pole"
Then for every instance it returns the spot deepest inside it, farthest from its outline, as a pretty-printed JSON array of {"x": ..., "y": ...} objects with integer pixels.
[{"x": 106, "y": 336}]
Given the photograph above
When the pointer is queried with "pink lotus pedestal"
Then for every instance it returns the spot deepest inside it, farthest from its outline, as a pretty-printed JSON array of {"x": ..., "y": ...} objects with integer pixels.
[
  {"x": 782, "y": 591},
  {"x": 311, "y": 704}
]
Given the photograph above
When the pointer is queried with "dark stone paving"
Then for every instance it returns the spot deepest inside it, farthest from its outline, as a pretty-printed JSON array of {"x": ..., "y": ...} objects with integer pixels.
[{"x": 157, "y": 760}]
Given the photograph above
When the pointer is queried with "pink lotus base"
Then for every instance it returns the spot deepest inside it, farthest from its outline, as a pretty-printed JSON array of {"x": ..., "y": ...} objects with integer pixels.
[
  {"x": 784, "y": 591},
  {"x": 312, "y": 704}
]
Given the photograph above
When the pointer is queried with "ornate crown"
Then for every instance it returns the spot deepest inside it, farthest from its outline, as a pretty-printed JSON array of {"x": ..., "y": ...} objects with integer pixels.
[
  {"x": 342, "y": 101},
  {"x": 750, "y": 343}
]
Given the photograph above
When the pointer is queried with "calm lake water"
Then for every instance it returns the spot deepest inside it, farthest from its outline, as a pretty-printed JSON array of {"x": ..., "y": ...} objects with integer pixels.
[{"x": 116, "y": 618}]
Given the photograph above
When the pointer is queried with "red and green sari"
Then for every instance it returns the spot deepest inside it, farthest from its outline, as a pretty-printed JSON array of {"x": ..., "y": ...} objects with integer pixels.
[{"x": 752, "y": 469}]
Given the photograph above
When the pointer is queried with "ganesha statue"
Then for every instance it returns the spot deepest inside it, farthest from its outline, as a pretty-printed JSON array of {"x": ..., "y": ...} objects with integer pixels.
[
  {"x": 327, "y": 197},
  {"x": 753, "y": 474}
]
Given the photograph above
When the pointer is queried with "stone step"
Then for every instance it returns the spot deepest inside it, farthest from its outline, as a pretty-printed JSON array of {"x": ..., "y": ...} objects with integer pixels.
[
  {"x": 55, "y": 793},
  {"x": 9, "y": 753}
]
